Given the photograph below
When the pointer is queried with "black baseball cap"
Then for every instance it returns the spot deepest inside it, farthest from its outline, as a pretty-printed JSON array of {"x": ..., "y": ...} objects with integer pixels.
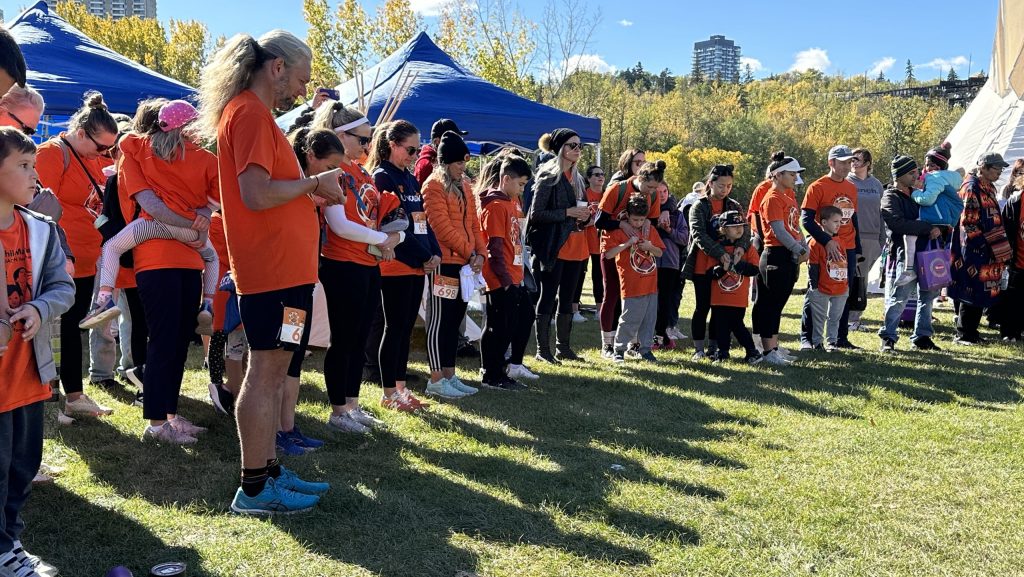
[
  {"x": 731, "y": 218},
  {"x": 444, "y": 125},
  {"x": 992, "y": 159}
]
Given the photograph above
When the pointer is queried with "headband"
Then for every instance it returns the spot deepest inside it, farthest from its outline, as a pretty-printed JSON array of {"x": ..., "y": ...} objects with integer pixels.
[
  {"x": 791, "y": 166},
  {"x": 359, "y": 122}
]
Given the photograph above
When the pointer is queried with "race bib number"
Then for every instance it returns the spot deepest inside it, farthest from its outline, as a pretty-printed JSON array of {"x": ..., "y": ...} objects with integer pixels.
[
  {"x": 292, "y": 326},
  {"x": 837, "y": 269},
  {"x": 518, "y": 258},
  {"x": 419, "y": 223},
  {"x": 446, "y": 287}
]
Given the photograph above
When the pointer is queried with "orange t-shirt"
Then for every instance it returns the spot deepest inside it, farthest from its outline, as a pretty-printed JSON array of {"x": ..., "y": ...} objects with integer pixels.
[
  {"x": 638, "y": 269},
  {"x": 617, "y": 195},
  {"x": 705, "y": 262},
  {"x": 363, "y": 205},
  {"x": 575, "y": 247},
  {"x": 269, "y": 249},
  {"x": 842, "y": 195},
  {"x": 593, "y": 236},
  {"x": 183, "y": 185},
  {"x": 832, "y": 273},
  {"x": 733, "y": 289},
  {"x": 754, "y": 208},
  {"x": 79, "y": 199},
  {"x": 220, "y": 244},
  {"x": 21, "y": 384},
  {"x": 779, "y": 206},
  {"x": 500, "y": 219}
]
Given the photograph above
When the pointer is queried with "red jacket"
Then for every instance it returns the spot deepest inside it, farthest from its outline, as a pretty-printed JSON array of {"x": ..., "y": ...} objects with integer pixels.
[{"x": 425, "y": 163}]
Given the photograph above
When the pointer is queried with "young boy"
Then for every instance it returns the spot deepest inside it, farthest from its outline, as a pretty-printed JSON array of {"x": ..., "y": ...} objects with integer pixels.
[
  {"x": 28, "y": 241},
  {"x": 827, "y": 281},
  {"x": 509, "y": 315},
  {"x": 638, "y": 279},
  {"x": 730, "y": 292}
]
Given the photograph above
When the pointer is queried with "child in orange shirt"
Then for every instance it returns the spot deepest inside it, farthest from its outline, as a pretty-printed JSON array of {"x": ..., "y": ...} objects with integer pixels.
[
  {"x": 730, "y": 292},
  {"x": 828, "y": 282},
  {"x": 33, "y": 262},
  {"x": 509, "y": 305},
  {"x": 635, "y": 262}
]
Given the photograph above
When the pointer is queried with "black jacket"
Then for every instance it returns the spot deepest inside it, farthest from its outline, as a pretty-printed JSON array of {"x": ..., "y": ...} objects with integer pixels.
[
  {"x": 417, "y": 248},
  {"x": 900, "y": 213},
  {"x": 547, "y": 224},
  {"x": 1011, "y": 222}
]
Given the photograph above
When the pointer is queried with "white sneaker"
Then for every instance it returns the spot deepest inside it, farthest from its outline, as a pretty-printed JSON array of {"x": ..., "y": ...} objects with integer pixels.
[
  {"x": 578, "y": 318},
  {"x": 86, "y": 407},
  {"x": 63, "y": 419},
  {"x": 183, "y": 425},
  {"x": 363, "y": 418},
  {"x": 521, "y": 372},
  {"x": 346, "y": 424},
  {"x": 774, "y": 358},
  {"x": 784, "y": 353},
  {"x": 167, "y": 434}
]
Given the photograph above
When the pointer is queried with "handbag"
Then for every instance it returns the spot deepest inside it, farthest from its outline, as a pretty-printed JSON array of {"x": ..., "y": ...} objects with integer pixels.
[
  {"x": 933, "y": 267},
  {"x": 858, "y": 293}
]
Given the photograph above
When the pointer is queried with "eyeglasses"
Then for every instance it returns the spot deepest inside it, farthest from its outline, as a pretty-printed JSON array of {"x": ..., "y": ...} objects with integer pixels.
[
  {"x": 363, "y": 140},
  {"x": 100, "y": 148},
  {"x": 25, "y": 129},
  {"x": 859, "y": 160},
  {"x": 412, "y": 150},
  {"x": 597, "y": 174},
  {"x": 574, "y": 145}
]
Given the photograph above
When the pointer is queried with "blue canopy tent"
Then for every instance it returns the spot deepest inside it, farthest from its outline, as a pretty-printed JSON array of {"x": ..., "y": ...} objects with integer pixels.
[
  {"x": 444, "y": 89},
  {"x": 63, "y": 63}
]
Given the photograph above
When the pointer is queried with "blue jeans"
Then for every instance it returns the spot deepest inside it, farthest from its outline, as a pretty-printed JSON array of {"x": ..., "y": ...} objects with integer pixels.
[
  {"x": 896, "y": 298},
  {"x": 21, "y": 451}
]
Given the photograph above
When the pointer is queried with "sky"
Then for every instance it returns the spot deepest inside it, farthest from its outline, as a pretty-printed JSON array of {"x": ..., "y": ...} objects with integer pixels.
[{"x": 867, "y": 36}]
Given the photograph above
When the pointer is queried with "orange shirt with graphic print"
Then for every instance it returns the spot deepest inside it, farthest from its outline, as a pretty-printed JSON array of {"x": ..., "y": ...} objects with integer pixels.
[
  {"x": 842, "y": 195},
  {"x": 781, "y": 206},
  {"x": 78, "y": 198},
  {"x": 363, "y": 205},
  {"x": 832, "y": 273},
  {"x": 500, "y": 218},
  {"x": 733, "y": 289},
  {"x": 638, "y": 269},
  {"x": 274, "y": 248},
  {"x": 21, "y": 383}
]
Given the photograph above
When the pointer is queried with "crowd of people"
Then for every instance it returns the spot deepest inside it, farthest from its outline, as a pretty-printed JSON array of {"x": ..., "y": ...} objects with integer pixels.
[{"x": 134, "y": 225}]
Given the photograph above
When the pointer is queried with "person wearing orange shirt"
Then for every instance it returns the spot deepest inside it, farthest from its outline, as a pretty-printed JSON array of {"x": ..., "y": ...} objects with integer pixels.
[
  {"x": 635, "y": 249},
  {"x": 451, "y": 213},
  {"x": 833, "y": 189},
  {"x": 730, "y": 291},
  {"x": 784, "y": 250},
  {"x": 71, "y": 166},
  {"x": 554, "y": 232},
  {"x": 31, "y": 261},
  {"x": 350, "y": 270},
  {"x": 595, "y": 190},
  {"x": 827, "y": 282},
  {"x": 272, "y": 233}
]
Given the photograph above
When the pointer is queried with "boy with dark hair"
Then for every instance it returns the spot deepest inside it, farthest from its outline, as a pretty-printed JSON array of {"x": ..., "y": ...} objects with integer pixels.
[
  {"x": 827, "y": 280},
  {"x": 635, "y": 255},
  {"x": 509, "y": 315},
  {"x": 730, "y": 291}
]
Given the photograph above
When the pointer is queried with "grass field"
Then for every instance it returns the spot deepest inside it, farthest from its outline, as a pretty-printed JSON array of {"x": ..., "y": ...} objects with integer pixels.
[{"x": 844, "y": 464}]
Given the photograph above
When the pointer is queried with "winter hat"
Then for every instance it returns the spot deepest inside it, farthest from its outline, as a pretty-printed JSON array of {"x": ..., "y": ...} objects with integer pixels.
[
  {"x": 452, "y": 148},
  {"x": 444, "y": 125},
  {"x": 557, "y": 138},
  {"x": 902, "y": 165},
  {"x": 940, "y": 155},
  {"x": 175, "y": 114}
]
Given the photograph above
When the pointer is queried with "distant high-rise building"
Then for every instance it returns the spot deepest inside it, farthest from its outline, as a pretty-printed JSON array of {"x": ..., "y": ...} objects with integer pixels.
[
  {"x": 717, "y": 59},
  {"x": 116, "y": 8}
]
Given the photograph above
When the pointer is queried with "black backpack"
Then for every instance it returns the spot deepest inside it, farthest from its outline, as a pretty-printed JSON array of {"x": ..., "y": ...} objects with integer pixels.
[{"x": 113, "y": 219}]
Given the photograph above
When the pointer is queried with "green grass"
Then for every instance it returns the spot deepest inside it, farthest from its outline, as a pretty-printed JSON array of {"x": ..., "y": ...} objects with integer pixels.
[{"x": 846, "y": 464}]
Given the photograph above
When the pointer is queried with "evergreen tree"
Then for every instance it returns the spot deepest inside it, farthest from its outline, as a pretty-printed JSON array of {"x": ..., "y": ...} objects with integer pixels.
[
  {"x": 748, "y": 74},
  {"x": 910, "y": 73},
  {"x": 952, "y": 76}
]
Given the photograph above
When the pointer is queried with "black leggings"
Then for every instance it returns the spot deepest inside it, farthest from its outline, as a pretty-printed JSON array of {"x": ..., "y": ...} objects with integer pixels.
[
  {"x": 560, "y": 281},
  {"x": 774, "y": 285},
  {"x": 444, "y": 316},
  {"x": 668, "y": 288},
  {"x": 215, "y": 358},
  {"x": 728, "y": 322},
  {"x": 140, "y": 331},
  {"x": 353, "y": 295},
  {"x": 71, "y": 336},
  {"x": 508, "y": 322},
  {"x": 702, "y": 294},
  {"x": 401, "y": 297},
  {"x": 579, "y": 285}
]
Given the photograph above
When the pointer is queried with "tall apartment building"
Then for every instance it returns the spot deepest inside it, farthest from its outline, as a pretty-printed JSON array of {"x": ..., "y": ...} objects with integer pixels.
[
  {"x": 717, "y": 58},
  {"x": 116, "y": 8}
]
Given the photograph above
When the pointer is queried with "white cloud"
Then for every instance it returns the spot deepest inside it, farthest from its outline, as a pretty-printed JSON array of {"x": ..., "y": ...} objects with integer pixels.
[
  {"x": 882, "y": 66},
  {"x": 427, "y": 7},
  {"x": 589, "y": 62},
  {"x": 754, "y": 64},
  {"x": 945, "y": 64},
  {"x": 812, "y": 58},
  {"x": 626, "y": 23}
]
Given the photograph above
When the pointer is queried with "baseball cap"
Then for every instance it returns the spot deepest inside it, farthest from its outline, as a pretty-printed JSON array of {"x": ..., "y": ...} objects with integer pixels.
[
  {"x": 992, "y": 159},
  {"x": 175, "y": 114},
  {"x": 444, "y": 125},
  {"x": 731, "y": 218},
  {"x": 840, "y": 152}
]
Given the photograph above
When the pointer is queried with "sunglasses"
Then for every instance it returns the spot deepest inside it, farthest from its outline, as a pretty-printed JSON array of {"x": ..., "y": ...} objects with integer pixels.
[
  {"x": 601, "y": 174},
  {"x": 101, "y": 148},
  {"x": 25, "y": 129},
  {"x": 412, "y": 150},
  {"x": 363, "y": 140},
  {"x": 573, "y": 145}
]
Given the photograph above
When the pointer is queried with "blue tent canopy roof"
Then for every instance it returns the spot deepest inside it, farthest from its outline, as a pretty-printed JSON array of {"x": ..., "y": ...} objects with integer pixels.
[
  {"x": 63, "y": 63},
  {"x": 444, "y": 89}
]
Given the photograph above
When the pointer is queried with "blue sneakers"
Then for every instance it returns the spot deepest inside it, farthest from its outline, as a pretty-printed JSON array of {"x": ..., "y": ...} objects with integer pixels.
[
  {"x": 303, "y": 441},
  {"x": 273, "y": 499},
  {"x": 287, "y": 446},
  {"x": 289, "y": 480}
]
